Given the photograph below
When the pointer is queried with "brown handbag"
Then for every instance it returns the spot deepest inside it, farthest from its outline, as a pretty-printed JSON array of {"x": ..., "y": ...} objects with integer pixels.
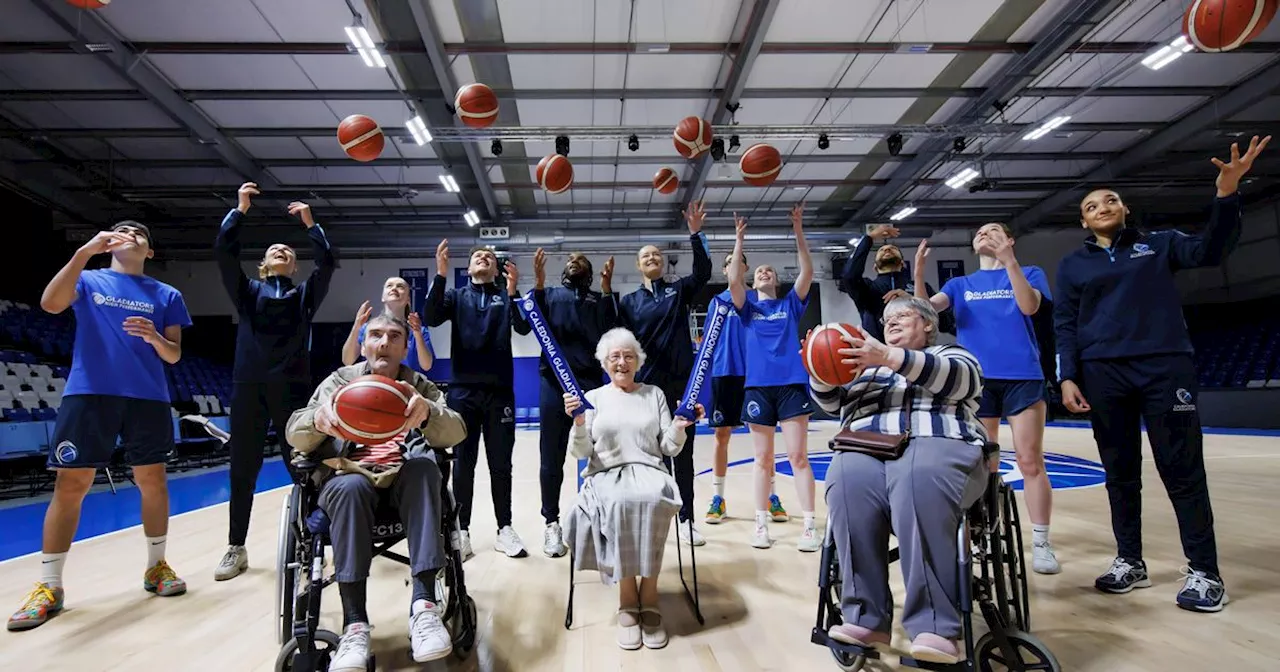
[{"x": 876, "y": 444}]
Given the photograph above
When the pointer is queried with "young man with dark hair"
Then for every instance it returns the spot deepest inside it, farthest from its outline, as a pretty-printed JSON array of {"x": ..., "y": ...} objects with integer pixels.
[
  {"x": 577, "y": 316},
  {"x": 1123, "y": 343},
  {"x": 128, "y": 326},
  {"x": 892, "y": 281},
  {"x": 271, "y": 377},
  {"x": 482, "y": 385}
]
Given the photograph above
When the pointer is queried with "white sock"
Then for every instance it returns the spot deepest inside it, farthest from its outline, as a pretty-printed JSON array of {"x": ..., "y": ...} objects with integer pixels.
[
  {"x": 51, "y": 569},
  {"x": 1039, "y": 534},
  {"x": 762, "y": 518},
  {"x": 155, "y": 550},
  {"x": 808, "y": 520},
  {"x": 718, "y": 482}
]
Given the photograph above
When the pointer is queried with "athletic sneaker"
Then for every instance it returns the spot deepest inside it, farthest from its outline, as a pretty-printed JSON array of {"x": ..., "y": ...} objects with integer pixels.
[
  {"x": 462, "y": 543},
  {"x": 760, "y": 538},
  {"x": 778, "y": 513},
  {"x": 1202, "y": 591},
  {"x": 429, "y": 637},
  {"x": 693, "y": 538},
  {"x": 716, "y": 512},
  {"x": 353, "y": 649},
  {"x": 509, "y": 542},
  {"x": 233, "y": 564},
  {"x": 1044, "y": 560},
  {"x": 39, "y": 606},
  {"x": 163, "y": 581},
  {"x": 1123, "y": 577},
  {"x": 553, "y": 545},
  {"x": 809, "y": 540}
]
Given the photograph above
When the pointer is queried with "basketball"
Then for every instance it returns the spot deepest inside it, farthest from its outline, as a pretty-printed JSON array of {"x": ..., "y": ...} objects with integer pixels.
[
  {"x": 370, "y": 409},
  {"x": 692, "y": 137},
  {"x": 555, "y": 173},
  {"x": 89, "y": 4},
  {"x": 361, "y": 137},
  {"x": 822, "y": 357},
  {"x": 1223, "y": 25},
  {"x": 666, "y": 182},
  {"x": 760, "y": 165},
  {"x": 477, "y": 105}
]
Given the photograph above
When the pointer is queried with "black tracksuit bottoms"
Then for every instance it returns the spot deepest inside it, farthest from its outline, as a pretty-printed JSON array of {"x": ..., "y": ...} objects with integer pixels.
[
  {"x": 553, "y": 440},
  {"x": 252, "y": 405},
  {"x": 1160, "y": 390},
  {"x": 487, "y": 410},
  {"x": 683, "y": 462}
]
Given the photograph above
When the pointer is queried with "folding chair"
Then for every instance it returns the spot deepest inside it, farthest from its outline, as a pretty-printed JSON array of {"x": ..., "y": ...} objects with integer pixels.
[{"x": 691, "y": 595}]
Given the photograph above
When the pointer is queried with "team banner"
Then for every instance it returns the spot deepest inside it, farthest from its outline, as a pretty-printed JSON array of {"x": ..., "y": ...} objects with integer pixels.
[
  {"x": 533, "y": 315},
  {"x": 701, "y": 367}
]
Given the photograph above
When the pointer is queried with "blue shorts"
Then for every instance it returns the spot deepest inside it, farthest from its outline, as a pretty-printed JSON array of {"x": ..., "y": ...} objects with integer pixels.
[
  {"x": 727, "y": 394},
  {"x": 770, "y": 405},
  {"x": 1004, "y": 398},
  {"x": 88, "y": 425}
]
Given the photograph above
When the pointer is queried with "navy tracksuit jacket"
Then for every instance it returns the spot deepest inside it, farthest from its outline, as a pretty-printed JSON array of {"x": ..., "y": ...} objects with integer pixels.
[
  {"x": 1122, "y": 338},
  {"x": 868, "y": 294}
]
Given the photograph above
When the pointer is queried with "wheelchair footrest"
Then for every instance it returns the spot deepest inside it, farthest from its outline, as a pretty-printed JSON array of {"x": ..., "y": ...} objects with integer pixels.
[
  {"x": 908, "y": 661},
  {"x": 852, "y": 650}
]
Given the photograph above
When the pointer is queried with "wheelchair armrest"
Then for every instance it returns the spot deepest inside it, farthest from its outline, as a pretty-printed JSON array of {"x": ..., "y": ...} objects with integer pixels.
[{"x": 304, "y": 465}]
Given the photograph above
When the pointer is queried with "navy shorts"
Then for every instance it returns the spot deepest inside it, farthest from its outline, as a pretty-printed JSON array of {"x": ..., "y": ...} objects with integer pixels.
[
  {"x": 1004, "y": 398},
  {"x": 89, "y": 424},
  {"x": 770, "y": 405},
  {"x": 726, "y": 401}
]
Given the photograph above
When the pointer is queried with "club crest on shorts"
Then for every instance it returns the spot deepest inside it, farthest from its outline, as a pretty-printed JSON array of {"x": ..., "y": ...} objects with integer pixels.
[
  {"x": 66, "y": 452},
  {"x": 753, "y": 409},
  {"x": 1185, "y": 399}
]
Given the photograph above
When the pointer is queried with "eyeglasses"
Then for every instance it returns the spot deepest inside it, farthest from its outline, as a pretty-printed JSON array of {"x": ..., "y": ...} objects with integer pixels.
[
  {"x": 622, "y": 357},
  {"x": 899, "y": 319}
]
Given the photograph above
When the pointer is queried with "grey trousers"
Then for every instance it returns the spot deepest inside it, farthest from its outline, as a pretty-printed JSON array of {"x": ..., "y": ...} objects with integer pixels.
[
  {"x": 920, "y": 496},
  {"x": 352, "y": 503}
]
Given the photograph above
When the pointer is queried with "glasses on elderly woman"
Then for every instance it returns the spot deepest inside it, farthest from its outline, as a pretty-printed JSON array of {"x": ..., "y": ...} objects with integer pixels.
[
  {"x": 615, "y": 357},
  {"x": 898, "y": 319}
]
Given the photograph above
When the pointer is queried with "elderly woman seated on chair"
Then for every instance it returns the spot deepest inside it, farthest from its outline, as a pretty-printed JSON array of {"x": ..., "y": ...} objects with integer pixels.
[
  {"x": 620, "y": 522},
  {"x": 358, "y": 479},
  {"x": 929, "y": 393}
]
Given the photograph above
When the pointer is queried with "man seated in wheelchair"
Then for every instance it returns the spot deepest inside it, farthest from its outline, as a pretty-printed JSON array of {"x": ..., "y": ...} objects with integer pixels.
[
  {"x": 923, "y": 396},
  {"x": 355, "y": 480}
]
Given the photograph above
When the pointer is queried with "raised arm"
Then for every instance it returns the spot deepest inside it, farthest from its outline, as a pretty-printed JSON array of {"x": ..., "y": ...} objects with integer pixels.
[
  {"x": 805, "y": 278},
  {"x": 940, "y": 300},
  {"x": 1001, "y": 247},
  {"x": 226, "y": 247},
  {"x": 440, "y": 302},
  {"x": 60, "y": 293},
  {"x": 316, "y": 287},
  {"x": 351, "y": 347},
  {"x": 518, "y": 323},
  {"x": 737, "y": 271},
  {"x": 422, "y": 343},
  {"x": 1222, "y": 232},
  {"x": 701, "y": 274}
]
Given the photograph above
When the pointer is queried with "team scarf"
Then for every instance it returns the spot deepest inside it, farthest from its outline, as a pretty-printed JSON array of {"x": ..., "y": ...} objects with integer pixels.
[
  {"x": 718, "y": 312},
  {"x": 551, "y": 350}
]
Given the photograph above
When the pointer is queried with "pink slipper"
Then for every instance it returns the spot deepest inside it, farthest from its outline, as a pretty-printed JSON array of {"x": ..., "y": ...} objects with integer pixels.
[
  {"x": 847, "y": 633},
  {"x": 930, "y": 648}
]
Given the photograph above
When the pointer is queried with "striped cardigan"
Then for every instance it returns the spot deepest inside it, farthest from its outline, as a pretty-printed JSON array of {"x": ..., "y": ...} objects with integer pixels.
[{"x": 945, "y": 384}]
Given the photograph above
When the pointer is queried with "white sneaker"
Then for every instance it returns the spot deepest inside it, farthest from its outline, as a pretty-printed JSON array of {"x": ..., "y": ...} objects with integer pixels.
[
  {"x": 233, "y": 564},
  {"x": 509, "y": 542},
  {"x": 760, "y": 539},
  {"x": 693, "y": 538},
  {"x": 809, "y": 540},
  {"x": 353, "y": 649},
  {"x": 429, "y": 637},
  {"x": 553, "y": 541},
  {"x": 1043, "y": 559},
  {"x": 462, "y": 543}
]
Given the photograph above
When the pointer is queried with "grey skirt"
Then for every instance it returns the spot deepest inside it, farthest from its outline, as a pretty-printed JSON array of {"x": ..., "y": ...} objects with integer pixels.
[{"x": 620, "y": 522}]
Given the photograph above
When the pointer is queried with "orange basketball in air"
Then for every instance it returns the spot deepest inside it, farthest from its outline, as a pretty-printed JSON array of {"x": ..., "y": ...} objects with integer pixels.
[
  {"x": 477, "y": 105},
  {"x": 554, "y": 173},
  {"x": 760, "y": 165},
  {"x": 666, "y": 181},
  {"x": 361, "y": 137},
  {"x": 692, "y": 137}
]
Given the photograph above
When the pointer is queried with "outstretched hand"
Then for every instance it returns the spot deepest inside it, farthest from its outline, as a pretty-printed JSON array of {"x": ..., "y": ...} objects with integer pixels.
[
  {"x": 682, "y": 423},
  {"x": 1229, "y": 174},
  {"x": 695, "y": 215}
]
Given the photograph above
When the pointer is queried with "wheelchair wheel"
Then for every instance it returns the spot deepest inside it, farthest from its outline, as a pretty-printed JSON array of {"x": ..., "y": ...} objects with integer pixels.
[
  {"x": 1029, "y": 653},
  {"x": 287, "y": 579},
  {"x": 848, "y": 662},
  {"x": 1020, "y": 601},
  {"x": 465, "y": 635},
  {"x": 326, "y": 645}
]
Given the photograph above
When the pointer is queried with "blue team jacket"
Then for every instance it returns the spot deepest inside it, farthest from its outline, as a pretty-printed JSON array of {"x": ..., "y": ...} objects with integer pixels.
[
  {"x": 480, "y": 341},
  {"x": 659, "y": 317},
  {"x": 578, "y": 317}
]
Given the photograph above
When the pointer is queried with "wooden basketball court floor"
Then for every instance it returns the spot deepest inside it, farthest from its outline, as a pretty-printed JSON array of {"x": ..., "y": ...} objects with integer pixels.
[{"x": 759, "y": 604}]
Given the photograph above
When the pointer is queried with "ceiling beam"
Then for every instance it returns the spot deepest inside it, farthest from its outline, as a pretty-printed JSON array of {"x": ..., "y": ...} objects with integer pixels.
[
  {"x": 471, "y": 47},
  {"x": 759, "y": 16},
  {"x": 138, "y": 71},
  {"x": 1069, "y": 25},
  {"x": 507, "y": 94},
  {"x": 1257, "y": 86}
]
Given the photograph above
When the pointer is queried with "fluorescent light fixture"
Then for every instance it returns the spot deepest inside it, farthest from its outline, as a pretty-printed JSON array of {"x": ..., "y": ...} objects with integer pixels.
[
  {"x": 418, "y": 129},
  {"x": 450, "y": 185},
  {"x": 364, "y": 46},
  {"x": 1168, "y": 53},
  {"x": 471, "y": 217},
  {"x": 655, "y": 48},
  {"x": 962, "y": 178},
  {"x": 1046, "y": 127},
  {"x": 902, "y": 214}
]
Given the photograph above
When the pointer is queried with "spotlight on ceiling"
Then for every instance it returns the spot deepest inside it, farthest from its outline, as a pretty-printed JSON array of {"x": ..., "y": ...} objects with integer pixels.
[
  {"x": 734, "y": 143},
  {"x": 717, "y": 149},
  {"x": 633, "y": 142},
  {"x": 895, "y": 144},
  {"x": 823, "y": 141},
  {"x": 495, "y": 147},
  {"x": 562, "y": 145},
  {"x": 984, "y": 185},
  {"x": 958, "y": 145}
]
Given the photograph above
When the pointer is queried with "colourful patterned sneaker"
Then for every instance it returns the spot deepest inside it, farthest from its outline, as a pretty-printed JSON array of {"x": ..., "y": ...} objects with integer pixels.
[
  {"x": 163, "y": 581},
  {"x": 778, "y": 513},
  {"x": 40, "y": 604},
  {"x": 716, "y": 512}
]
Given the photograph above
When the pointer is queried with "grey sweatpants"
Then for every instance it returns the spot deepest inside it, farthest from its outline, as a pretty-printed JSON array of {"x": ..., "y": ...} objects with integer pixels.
[
  {"x": 351, "y": 502},
  {"x": 920, "y": 496}
]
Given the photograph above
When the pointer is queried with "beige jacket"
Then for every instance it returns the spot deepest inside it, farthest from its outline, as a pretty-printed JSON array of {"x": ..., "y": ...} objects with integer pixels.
[{"x": 444, "y": 427}]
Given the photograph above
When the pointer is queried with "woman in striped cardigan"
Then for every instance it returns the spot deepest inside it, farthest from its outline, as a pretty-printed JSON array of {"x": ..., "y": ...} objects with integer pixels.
[{"x": 919, "y": 496}]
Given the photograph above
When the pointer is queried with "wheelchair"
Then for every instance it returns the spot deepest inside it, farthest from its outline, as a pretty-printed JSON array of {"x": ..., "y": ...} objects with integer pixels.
[
  {"x": 990, "y": 542},
  {"x": 300, "y": 579}
]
